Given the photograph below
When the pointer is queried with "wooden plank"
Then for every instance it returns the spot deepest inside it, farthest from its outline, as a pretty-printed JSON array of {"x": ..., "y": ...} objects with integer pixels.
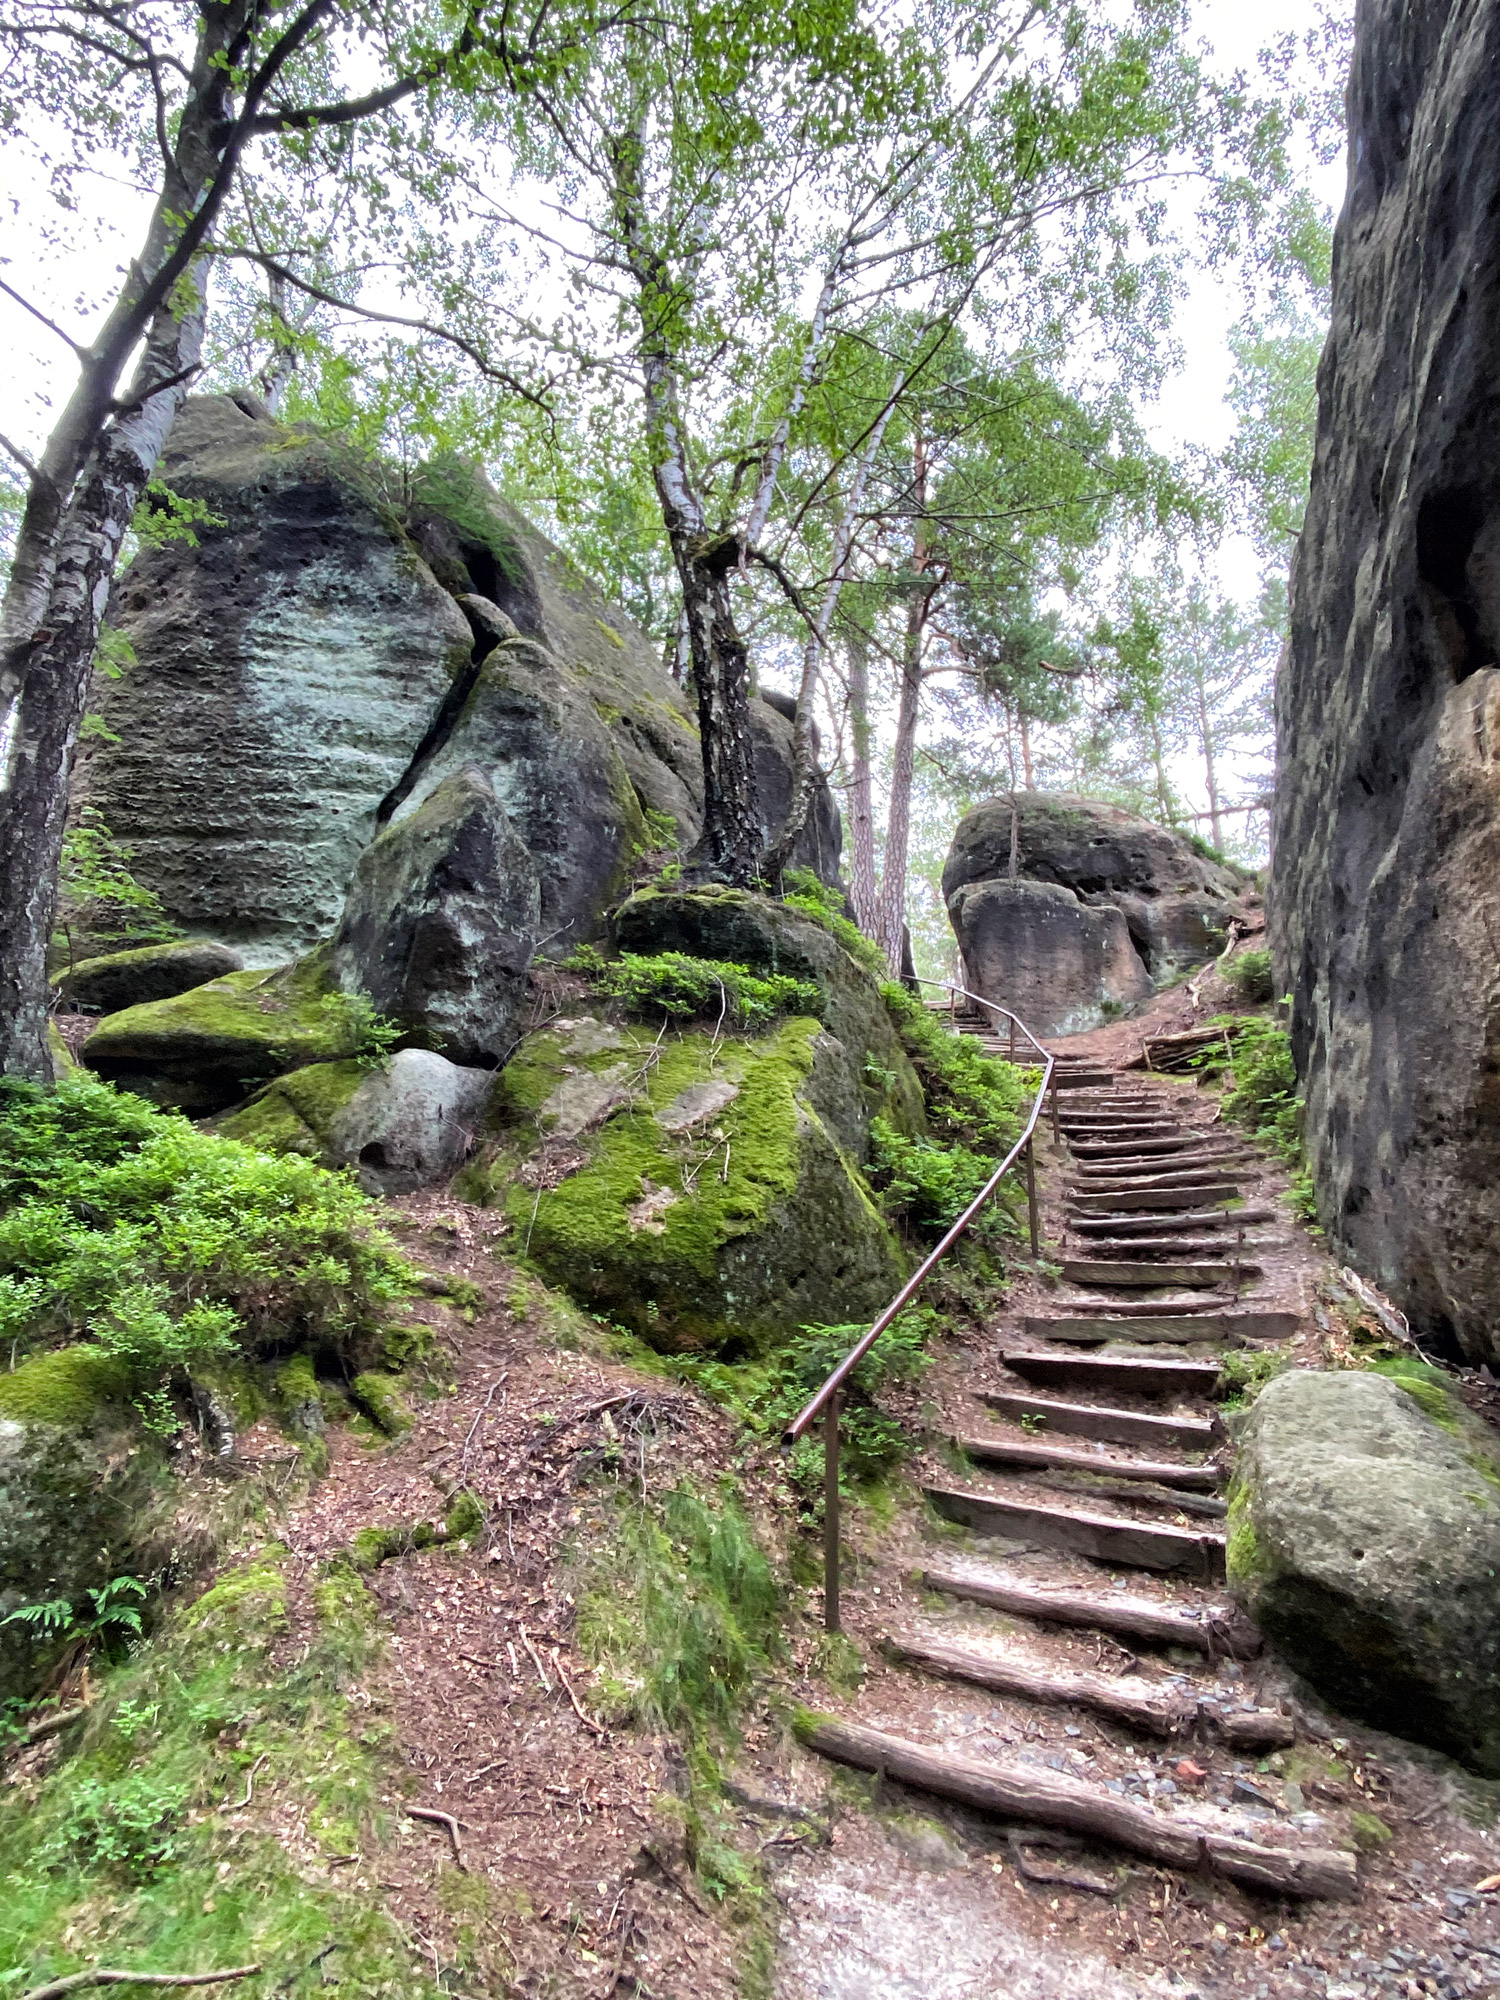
[
  {"x": 1144, "y": 1225},
  {"x": 1109, "y": 1149},
  {"x": 1148, "y": 1375},
  {"x": 1223, "y": 1629},
  {"x": 1053, "y": 1798},
  {"x": 1190, "y": 1195},
  {"x": 1200, "y": 1326},
  {"x": 1217, "y": 1159},
  {"x": 1026, "y": 1451},
  {"x": 1164, "y": 1246},
  {"x": 1156, "y": 1710},
  {"x": 1110, "y": 1426},
  {"x": 1106, "y": 1538},
  {"x": 1190, "y": 1277}
]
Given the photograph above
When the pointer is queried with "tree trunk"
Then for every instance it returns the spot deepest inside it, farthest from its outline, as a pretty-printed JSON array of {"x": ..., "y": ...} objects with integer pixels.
[
  {"x": 861, "y": 801},
  {"x": 1164, "y": 800},
  {"x": 86, "y": 488},
  {"x": 1206, "y": 736},
  {"x": 1026, "y": 750},
  {"x": 892, "y": 911}
]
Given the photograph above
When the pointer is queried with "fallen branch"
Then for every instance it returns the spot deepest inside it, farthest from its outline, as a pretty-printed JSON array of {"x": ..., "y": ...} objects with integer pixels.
[
  {"x": 1048, "y": 1797},
  {"x": 102, "y": 1976},
  {"x": 536, "y": 1661},
  {"x": 50, "y": 1725},
  {"x": 445, "y": 1820},
  {"x": 587, "y": 1720},
  {"x": 240, "y": 1804}
]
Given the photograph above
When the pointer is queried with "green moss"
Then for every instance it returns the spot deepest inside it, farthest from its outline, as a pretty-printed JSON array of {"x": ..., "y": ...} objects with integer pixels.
[
  {"x": 1369, "y": 1832},
  {"x": 1429, "y": 1388},
  {"x": 72, "y": 1386},
  {"x": 293, "y": 1114},
  {"x": 297, "y": 1382},
  {"x": 1245, "y": 1371},
  {"x": 378, "y": 1398},
  {"x": 1246, "y": 1558},
  {"x": 125, "y": 1835}
]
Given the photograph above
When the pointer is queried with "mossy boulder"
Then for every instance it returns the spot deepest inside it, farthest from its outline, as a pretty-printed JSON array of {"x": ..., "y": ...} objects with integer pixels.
[
  {"x": 80, "y": 1498},
  {"x": 693, "y": 1187},
  {"x": 150, "y": 972},
  {"x": 874, "y": 1073},
  {"x": 204, "y": 1050},
  {"x": 405, "y": 1124},
  {"x": 1364, "y": 1539}
]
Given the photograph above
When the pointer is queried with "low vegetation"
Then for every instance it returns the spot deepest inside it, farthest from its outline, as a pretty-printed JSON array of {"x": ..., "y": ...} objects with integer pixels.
[
  {"x": 163, "y": 1249},
  {"x": 1254, "y": 1061},
  {"x": 683, "y": 988}
]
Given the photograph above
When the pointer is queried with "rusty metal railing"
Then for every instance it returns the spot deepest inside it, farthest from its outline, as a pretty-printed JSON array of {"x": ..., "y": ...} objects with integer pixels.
[{"x": 825, "y": 1403}]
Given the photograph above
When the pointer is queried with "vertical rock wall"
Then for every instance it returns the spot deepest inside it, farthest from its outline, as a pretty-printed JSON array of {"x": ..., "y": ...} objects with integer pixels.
[{"x": 1386, "y": 871}]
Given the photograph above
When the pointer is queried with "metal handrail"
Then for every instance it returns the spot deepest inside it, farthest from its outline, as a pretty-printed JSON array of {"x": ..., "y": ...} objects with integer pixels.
[{"x": 826, "y": 1402}]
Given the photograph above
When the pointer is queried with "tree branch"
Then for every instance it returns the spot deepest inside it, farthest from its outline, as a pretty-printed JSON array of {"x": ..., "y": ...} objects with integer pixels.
[
  {"x": 101, "y": 1976},
  {"x": 27, "y": 465},
  {"x": 51, "y": 325}
]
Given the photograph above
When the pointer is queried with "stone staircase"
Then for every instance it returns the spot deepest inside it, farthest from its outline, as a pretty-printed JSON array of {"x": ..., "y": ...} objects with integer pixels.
[{"x": 1102, "y": 1450}]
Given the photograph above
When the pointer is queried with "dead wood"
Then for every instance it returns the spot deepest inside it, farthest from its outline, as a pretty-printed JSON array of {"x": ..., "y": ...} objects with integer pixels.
[
  {"x": 1050, "y": 1797},
  {"x": 1131, "y": 1616},
  {"x": 103, "y": 1976},
  {"x": 1159, "y": 1713},
  {"x": 444, "y": 1820}
]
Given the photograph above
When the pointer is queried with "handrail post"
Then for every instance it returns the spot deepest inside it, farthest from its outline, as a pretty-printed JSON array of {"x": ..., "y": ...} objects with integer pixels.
[
  {"x": 1012, "y": 1037},
  {"x": 831, "y": 1513},
  {"x": 1056, "y": 1120},
  {"x": 1036, "y": 1224}
]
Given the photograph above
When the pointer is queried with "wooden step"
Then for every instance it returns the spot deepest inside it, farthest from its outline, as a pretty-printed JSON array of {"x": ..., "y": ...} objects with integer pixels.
[
  {"x": 1190, "y": 1277},
  {"x": 1133, "y": 1200},
  {"x": 1152, "y": 1707},
  {"x": 1231, "y": 1327},
  {"x": 1114, "y": 1149},
  {"x": 1094, "y": 1420},
  {"x": 1025, "y": 1451},
  {"x": 1082, "y": 1079},
  {"x": 1216, "y": 1159},
  {"x": 1052, "y": 1798},
  {"x": 1145, "y": 1374},
  {"x": 1146, "y": 1225},
  {"x": 1105, "y": 1538},
  {"x": 1222, "y": 1630},
  {"x": 1164, "y": 1246}
]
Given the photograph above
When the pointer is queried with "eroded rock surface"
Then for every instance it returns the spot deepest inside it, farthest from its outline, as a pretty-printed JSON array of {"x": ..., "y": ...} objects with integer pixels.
[
  {"x": 1066, "y": 906},
  {"x": 1387, "y": 825},
  {"x": 1365, "y": 1542}
]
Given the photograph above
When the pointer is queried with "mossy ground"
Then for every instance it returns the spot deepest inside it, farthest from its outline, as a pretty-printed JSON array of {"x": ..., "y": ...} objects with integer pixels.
[{"x": 130, "y": 1848}]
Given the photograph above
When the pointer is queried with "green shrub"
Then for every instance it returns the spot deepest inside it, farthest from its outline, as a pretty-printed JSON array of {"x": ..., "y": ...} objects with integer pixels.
[
  {"x": 167, "y": 1247},
  {"x": 680, "y": 1610},
  {"x": 686, "y": 988},
  {"x": 99, "y": 899},
  {"x": 922, "y": 1183},
  {"x": 128, "y": 1826},
  {"x": 971, "y": 1097},
  {"x": 1251, "y": 976},
  {"x": 808, "y": 893},
  {"x": 1255, "y": 1056}
]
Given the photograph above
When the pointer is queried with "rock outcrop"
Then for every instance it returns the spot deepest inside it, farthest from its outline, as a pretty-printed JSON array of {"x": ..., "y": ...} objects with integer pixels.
[
  {"x": 441, "y": 923},
  {"x": 1064, "y": 906},
  {"x": 1364, "y": 1539},
  {"x": 150, "y": 972},
  {"x": 340, "y": 641},
  {"x": 1386, "y": 853}
]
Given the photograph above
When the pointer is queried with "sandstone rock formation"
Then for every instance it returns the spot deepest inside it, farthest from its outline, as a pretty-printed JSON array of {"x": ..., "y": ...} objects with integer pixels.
[
  {"x": 150, "y": 972},
  {"x": 1064, "y": 906},
  {"x": 1387, "y": 827},
  {"x": 1365, "y": 1541},
  {"x": 441, "y": 923},
  {"x": 339, "y": 642}
]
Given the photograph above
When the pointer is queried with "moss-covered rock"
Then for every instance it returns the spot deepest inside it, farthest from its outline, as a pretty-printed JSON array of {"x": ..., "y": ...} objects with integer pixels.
[
  {"x": 871, "y": 1073},
  {"x": 81, "y": 1497},
  {"x": 697, "y": 1217},
  {"x": 378, "y": 1397},
  {"x": 1364, "y": 1538},
  {"x": 204, "y": 1050},
  {"x": 150, "y": 972}
]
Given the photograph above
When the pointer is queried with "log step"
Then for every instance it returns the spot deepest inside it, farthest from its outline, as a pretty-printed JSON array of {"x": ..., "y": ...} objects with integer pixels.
[
  {"x": 1149, "y": 1707},
  {"x": 1145, "y": 1374},
  {"x": 1105, "y": 1538},
  {"x": 1081, "y": 1079},
  {"x": 1164, "y": 1246},
  {"x": 1190, "y": 1305},
  {"x": 1026, "y": 1452},
  {"x": 1094, "y": 1420},
  {"x": 1190, "y": 1276},
  {"x": 1144, "y": 1225},
  {"x": 1193, "y": 1195},
  {"x": 1231, "y": 1327},
  {"x": 1109, "y": 1149},
  {"x": 1223, "y": 1629},
  {"x": 1217, "y": 1160},
  {"x": 1053, "y": 1798}
]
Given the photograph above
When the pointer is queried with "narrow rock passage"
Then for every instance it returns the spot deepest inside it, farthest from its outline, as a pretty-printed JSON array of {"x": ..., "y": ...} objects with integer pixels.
[{"x": 1053, "y": 1659}]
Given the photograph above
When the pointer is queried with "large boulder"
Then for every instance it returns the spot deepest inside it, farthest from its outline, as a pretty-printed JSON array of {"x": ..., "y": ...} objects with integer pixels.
[
  {"x": 1064, "y": 906},
  {"x": 1386, "y": 857},
  {"x": 204, "y": 1050},
  {"x": 407, "y": 1123},
  {"x": 339, "y": 641},
  {"x": 1364, "y": 1539},
  {"x": 150, "y": 972},
  {"x": 441, "y": 922},
  {"x": 689, "y": 1186},
  {"x": 874, "y": 1074}
]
